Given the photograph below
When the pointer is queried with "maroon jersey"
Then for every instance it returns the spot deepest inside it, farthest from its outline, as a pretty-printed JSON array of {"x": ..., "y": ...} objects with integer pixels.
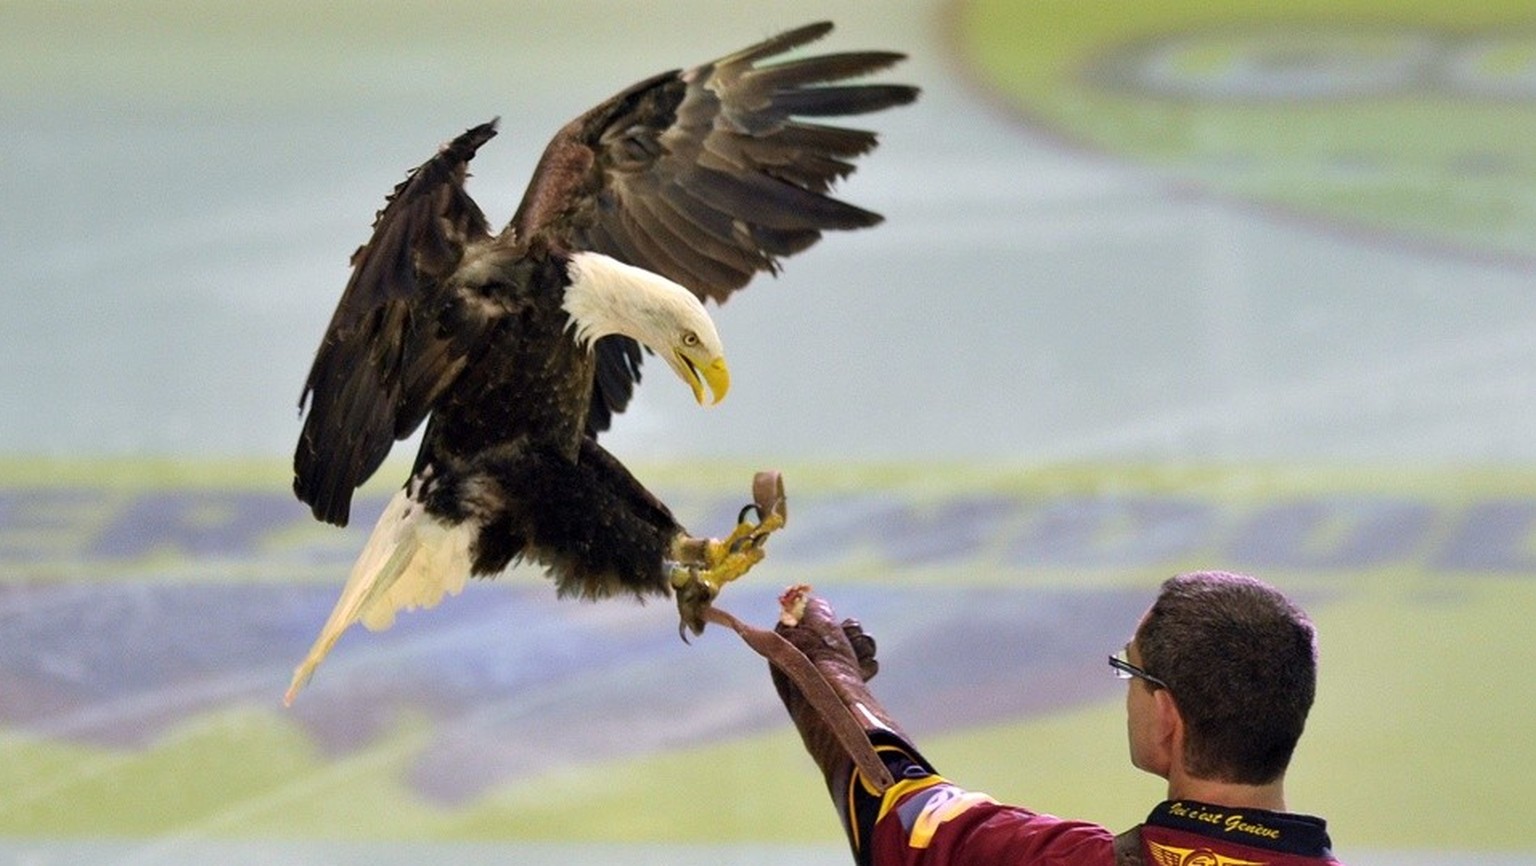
[{"x": 925, "y": 821}]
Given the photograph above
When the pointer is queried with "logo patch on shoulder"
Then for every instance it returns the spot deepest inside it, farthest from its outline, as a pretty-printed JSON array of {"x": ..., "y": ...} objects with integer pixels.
[{"x": 1168, "y": 855}]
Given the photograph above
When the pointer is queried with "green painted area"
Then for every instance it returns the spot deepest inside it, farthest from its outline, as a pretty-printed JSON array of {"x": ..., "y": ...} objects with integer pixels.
[
  {"x": 1420, "y": 733},
  {"x": 1405, "y": 117}
]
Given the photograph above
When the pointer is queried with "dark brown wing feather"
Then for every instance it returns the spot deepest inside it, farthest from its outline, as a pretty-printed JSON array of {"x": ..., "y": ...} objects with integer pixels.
[
  {"x": 396, "y": 338},
  {"x": 613, "y": 382},
  {"x": 706, "y": 175},
  {"x": 710, "y": 175}
]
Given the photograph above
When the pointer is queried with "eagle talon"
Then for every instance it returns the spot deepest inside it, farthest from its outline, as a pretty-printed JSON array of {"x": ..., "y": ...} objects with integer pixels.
[
  {"x": 695, "y": 591},
  {"x": 696, "y": 587},
  {"x": 750, "y": 542},
  {"x": 702, "y": 566}
]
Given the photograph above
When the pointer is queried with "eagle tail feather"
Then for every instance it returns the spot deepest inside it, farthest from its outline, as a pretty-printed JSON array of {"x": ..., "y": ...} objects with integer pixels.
[{"x": 411, "y": 561}]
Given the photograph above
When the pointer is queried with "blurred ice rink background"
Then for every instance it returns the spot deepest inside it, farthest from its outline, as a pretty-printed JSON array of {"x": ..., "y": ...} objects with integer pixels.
[{"x": 183, "y": 182}]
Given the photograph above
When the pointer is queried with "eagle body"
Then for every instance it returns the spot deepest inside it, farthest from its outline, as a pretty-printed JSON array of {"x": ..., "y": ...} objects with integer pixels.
[
  {"x": 537, "y": 386},
  {"x": 525, "y": 499},
  {"x": 506, "y": 457},
  {"x": 517, "y": 348}
]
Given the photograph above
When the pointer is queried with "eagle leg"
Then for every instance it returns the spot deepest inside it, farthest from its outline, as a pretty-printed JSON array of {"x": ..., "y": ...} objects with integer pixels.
[{"x": 705, "y": 565}]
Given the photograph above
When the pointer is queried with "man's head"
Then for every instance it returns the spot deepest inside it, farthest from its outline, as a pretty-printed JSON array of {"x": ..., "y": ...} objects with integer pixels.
[{"x": 1240, "y": 664}]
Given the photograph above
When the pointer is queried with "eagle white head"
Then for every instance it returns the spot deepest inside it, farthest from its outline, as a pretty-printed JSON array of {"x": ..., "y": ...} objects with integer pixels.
[{"x": 607, "y": 296}]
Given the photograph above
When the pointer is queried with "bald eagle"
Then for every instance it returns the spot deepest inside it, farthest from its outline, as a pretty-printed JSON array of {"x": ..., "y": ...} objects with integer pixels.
[{"x": 517, "y": 348}]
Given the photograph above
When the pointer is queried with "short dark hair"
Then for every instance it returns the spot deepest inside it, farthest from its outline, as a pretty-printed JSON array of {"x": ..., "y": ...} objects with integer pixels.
[{"x": 1240, "y": 661}]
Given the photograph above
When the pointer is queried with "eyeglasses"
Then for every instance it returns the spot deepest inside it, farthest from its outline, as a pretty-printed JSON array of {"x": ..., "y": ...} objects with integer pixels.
[{"x": 1125, "y": 670}]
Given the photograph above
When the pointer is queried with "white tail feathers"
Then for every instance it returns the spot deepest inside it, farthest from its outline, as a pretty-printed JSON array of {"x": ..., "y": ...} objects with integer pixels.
[{"x": 411, "y": 561}]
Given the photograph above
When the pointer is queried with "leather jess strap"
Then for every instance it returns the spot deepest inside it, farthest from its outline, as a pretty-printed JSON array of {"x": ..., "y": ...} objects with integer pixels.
[
  {"x": 768, "y": 495},
  {"x": 818, "y": 692}
]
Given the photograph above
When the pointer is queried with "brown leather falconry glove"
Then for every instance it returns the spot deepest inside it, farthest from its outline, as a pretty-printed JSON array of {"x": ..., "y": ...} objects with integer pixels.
[{"x": 845, "y": 656}]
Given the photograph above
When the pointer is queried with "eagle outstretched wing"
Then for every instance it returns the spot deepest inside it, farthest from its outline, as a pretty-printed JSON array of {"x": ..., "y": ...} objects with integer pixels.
[
  {"x": 383, "y": 359},
  {"x": 709, "y": 175}
]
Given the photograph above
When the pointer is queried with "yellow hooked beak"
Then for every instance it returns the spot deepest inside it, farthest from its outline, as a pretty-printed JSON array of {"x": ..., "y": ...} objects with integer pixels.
[{"x": 715, "y": 374}]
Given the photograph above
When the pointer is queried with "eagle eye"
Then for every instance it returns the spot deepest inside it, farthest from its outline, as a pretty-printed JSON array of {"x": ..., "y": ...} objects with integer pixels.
[{"x": 690, "y": 338}]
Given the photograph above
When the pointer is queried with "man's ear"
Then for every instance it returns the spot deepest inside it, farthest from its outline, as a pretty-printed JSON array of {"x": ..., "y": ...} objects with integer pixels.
[{"x": 1168, "y": 730}]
